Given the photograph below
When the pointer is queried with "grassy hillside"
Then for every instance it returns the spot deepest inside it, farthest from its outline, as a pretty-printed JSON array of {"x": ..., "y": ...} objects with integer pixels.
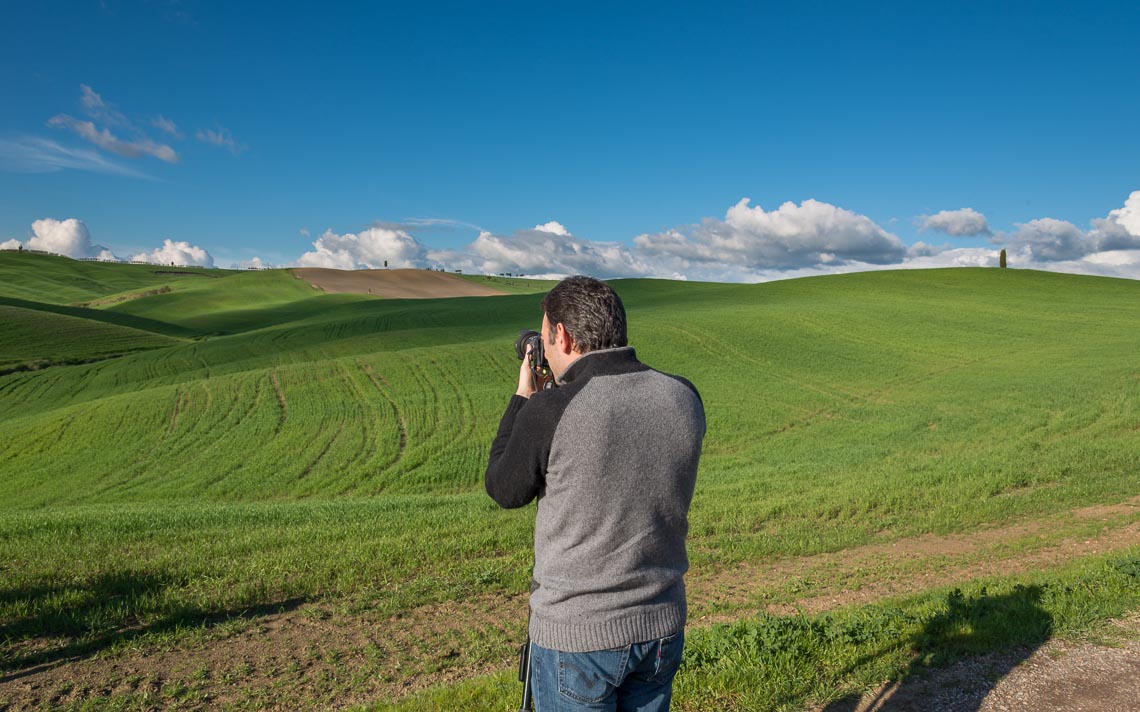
[
  {"x": 62, "y": 280},
  {"x": 332, "y": 447},
  {"x": 920, "y": 389},
  {"x": 235, "y": 302},
  {"x": 37, "y": 338}
]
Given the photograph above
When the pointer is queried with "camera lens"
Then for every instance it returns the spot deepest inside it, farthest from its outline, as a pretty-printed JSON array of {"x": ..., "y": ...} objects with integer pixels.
[{"x": 525, "y": 337}]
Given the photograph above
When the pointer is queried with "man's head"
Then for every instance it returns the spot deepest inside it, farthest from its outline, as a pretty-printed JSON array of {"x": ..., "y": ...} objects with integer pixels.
[{"x": 582, "y": 314}]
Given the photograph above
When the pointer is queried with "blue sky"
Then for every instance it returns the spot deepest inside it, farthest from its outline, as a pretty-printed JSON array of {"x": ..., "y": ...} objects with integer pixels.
[{"x": 549, "y": 138}]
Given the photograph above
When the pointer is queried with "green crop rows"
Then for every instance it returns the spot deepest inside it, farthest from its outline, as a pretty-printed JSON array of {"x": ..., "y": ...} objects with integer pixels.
[{"x": 241, "y": 440}]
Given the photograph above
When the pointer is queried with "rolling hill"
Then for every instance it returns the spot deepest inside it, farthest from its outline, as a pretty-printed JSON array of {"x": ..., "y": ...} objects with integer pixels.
[{"x": 241, "y": 440}]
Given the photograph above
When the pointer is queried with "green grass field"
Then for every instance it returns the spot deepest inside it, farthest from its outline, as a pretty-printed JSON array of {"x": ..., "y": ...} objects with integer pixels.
[{"x": 242, "y": 443}]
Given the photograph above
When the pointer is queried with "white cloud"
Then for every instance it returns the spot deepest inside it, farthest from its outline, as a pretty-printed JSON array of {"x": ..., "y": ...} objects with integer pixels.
[
  {"x": 1128, "y": 217},
  {"x": 166, "y": 125},
  {"x": 1121, "y": 229},
  {"x": 65, "y": 237},
  {"x": 106, "y": 140},
  {"x": 440, "y": 223},
  {"x": 960, "y": 223},
  {"x": 180, "y": 253},
  {"x": 921, "y": 249},
  {"x": 368, "y": 249},
  {"x": 36, "y": 155},
  {"x": 1113, "y": 263},
  {"x": 72, "y": 239},
  {"x": 790, "y": 237},
  {"x": 221, "y": 138},
  {"x": 255, "y": 263},
  {"x": 98, "y": 109},
  {"x": 553, "y": 227},
  {"x": 952, "y": 257},
  {"x": 69, "y": 238},
  {"x": 547, "y": 250},
  {"x": 753, "y": 245},
  {"x": 1050, "y": 240}
]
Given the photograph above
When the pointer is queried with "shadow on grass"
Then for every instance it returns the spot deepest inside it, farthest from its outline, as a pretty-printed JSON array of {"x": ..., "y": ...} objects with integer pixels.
[
  {"x": 45, "y": 626},
  {"x": 1013, "y": 623}
]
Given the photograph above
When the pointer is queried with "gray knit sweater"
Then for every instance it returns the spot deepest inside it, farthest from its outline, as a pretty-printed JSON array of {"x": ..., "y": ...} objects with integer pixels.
[{"x": 612, "y": 457}]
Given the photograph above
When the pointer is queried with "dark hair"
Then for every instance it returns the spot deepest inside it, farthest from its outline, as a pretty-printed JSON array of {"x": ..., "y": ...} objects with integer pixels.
[{"x": 590, "y": 310}]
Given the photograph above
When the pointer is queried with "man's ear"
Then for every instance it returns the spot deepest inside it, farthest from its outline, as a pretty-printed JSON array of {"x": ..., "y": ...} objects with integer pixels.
[{"x": 563, "y": 339}]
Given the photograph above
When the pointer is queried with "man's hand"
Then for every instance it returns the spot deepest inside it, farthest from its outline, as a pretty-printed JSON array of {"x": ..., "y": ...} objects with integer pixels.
[{"x": 526, "y": 377}]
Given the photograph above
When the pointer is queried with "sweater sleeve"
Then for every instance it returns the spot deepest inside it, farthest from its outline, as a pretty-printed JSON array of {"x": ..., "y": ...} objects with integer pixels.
[{"x": 519, "y": 455}]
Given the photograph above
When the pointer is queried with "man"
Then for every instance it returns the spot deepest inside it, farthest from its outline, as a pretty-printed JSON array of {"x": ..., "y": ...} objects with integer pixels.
[{"x": 611, "y": 455}]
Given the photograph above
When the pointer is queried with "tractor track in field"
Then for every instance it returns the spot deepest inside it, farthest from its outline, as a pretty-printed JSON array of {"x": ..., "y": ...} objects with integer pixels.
[
  {"x": 466, "y": 407},
  {"x": 324, "y": 451},
  {"x": 706, "y": 341},
  {"x": 370, "y": 440},
  {"x": 175, "y": 413},
  {"x": 363, "y": 425},
  {"x": 319, "y": 654},
  {"x": 284, "y": 405},
  {"x": 416, "y": 368},
  {"x": 384, "y": 388}
]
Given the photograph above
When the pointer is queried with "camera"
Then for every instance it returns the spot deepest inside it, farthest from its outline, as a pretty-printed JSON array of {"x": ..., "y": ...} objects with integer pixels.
[{"x": 539, "y": 367}]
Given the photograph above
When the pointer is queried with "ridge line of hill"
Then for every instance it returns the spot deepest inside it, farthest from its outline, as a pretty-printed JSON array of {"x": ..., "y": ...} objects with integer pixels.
[{"x": 130, "y": 321}]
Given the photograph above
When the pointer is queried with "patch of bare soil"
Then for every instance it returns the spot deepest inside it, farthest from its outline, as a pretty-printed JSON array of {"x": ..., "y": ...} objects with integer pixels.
[
  {"x": 1057, "y": 677},
  {"x": 316, "y": 655},
  {"x": 393, "y": 283},
  {"x": 308, "y": 656}
]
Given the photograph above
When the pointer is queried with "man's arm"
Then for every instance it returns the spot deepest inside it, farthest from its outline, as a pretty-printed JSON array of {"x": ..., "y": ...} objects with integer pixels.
[{"x": 517, "y": 468}]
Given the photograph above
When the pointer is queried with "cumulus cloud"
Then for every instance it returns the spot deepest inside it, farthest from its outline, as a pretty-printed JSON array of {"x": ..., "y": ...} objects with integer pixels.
[
  {"x": 1128, "y": 217},
  {"x": 63, "y": 237},
  {"x": 1051, "y": 240},
  {"x": 1121, "y": 229},
  {"x": 255, "y": 263},
  {"x": 11, "y": 245},
  {"x": 554, "y": 227},
  {"x": 368, "y": 249},
  {"x": 1113, "y": 263},
  {"x": 180, "y": 253},
  {"x": 548, "y": 250},
  {"x": 752, "y": 245},
  {"x": 221, "y": 138},
  {"x": 1111, "y": 248},
  {"x": 921, "y": 249},
  {"x": 72, "y": 239},
  {"x": 789, "y": 237},
  {"x": 950, "y": 257},
  {"x": 965, "y": 222}
]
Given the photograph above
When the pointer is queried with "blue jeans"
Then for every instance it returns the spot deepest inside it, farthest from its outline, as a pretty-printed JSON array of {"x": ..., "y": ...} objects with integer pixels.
[{"x": 635, "y": 678}]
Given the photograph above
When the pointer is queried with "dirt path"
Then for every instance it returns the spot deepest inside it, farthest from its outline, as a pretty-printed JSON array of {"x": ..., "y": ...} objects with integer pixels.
[
  {"x": 1058, "y": 677},
  {"x": 330, "y": 657}
]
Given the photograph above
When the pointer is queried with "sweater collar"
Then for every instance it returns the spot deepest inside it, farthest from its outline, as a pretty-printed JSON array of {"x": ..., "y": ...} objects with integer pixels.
[{"x": 593, "y": 362}]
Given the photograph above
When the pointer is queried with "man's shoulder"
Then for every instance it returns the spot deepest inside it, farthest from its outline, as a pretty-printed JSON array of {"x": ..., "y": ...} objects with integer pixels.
[
  {"x": 683, "y": 381},
  {"x": 672, "y": 379}
]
